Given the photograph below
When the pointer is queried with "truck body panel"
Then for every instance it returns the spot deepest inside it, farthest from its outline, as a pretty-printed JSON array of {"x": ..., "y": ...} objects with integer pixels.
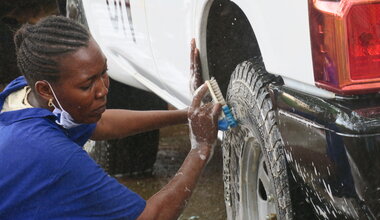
[{"x": 331, "y": 141}]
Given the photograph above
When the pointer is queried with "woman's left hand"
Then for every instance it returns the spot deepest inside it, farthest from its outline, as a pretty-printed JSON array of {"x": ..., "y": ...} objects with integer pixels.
[{"x": 196, "y": 79}]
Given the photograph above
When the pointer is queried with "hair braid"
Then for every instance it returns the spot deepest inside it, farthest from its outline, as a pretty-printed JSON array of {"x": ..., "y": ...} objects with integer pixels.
[{"x": 38, "y": 46}]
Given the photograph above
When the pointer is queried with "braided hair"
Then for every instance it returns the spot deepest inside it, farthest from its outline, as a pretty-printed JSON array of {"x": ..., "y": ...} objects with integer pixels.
[{"x": 38, "y": 46}]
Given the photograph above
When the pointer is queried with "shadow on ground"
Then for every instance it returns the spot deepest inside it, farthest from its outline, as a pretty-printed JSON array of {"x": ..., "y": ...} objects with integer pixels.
[{"x": 207, "y": 201}]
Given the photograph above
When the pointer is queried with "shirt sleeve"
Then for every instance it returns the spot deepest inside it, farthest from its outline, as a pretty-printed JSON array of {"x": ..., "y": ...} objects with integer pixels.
[{"x": 84, "y": 190}]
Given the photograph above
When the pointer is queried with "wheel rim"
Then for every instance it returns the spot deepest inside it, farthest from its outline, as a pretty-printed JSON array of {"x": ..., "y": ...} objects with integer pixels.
[{"x": 258, "y": 201}]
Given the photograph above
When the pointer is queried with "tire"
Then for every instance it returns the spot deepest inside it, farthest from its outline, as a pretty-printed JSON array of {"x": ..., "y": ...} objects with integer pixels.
[
  {"x": 74, "y": 10},
  {"x": 134, "y": 155},
  {"x": 8, "y": 61},
  {"x": 255, "y": 170}
]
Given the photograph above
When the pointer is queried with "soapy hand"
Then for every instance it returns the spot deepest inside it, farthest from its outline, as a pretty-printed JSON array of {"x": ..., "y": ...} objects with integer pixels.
[
  {"x": 195, "y": 68},
  {"x": 203, "y": 119}
]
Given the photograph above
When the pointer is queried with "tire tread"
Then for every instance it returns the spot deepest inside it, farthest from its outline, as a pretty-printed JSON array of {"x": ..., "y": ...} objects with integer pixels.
[{"x": 251, "y": 77}]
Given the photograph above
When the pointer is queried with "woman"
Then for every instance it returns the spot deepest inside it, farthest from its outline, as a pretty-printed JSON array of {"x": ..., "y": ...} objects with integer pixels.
[{"x": 46, "y": 117}]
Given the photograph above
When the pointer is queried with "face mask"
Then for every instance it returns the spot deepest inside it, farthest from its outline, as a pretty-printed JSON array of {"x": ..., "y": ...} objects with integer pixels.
[{"x": 65, "y": 119}]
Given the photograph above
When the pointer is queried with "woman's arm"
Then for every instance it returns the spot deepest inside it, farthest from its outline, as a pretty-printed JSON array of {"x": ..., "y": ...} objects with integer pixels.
[
  {"x": 119, "y": 123},
  {"x": 169, "y": 202}
]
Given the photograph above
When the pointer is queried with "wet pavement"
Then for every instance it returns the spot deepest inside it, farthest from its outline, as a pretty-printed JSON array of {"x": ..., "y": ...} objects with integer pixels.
[{"x": 207, "y": 201}]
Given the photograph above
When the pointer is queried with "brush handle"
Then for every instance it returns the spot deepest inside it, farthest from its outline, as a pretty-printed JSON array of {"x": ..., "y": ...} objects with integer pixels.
[
  {"x": 228, "y": 121},
  {"x": 230, "y": 118},
  {"x": 223, "y": 124}
]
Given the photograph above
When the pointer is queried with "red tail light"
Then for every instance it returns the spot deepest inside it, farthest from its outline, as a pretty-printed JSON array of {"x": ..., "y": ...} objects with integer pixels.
[{"x": 345, "y": 38}]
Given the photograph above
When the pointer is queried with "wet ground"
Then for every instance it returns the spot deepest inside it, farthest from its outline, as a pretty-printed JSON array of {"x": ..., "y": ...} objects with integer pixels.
[{"x": 207, "y": 201}]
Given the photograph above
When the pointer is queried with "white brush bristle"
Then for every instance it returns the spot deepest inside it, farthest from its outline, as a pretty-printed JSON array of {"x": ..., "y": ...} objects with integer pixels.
[{"x": 218, "y": 94}]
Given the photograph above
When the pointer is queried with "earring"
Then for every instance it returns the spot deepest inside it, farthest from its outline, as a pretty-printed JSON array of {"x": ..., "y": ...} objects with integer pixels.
[{"x": 50, "y": 103}]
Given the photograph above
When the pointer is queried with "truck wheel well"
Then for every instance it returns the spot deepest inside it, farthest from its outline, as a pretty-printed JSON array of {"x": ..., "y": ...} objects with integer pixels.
[{"x": 230, "y": 40}]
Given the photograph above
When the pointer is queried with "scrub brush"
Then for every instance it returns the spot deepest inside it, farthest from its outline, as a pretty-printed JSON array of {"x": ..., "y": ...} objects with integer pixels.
[{"x": 228, "y": 121}]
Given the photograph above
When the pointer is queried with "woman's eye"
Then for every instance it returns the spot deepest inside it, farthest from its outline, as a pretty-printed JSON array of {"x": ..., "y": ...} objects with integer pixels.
[{"x": 84, "y": 88}]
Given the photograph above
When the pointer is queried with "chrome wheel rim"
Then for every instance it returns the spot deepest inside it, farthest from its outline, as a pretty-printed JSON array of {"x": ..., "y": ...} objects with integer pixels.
[{"x": 258, "y": 194}]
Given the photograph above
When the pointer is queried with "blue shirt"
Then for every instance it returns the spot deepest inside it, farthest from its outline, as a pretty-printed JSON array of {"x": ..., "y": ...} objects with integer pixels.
[{"x": 45, "y": 173}]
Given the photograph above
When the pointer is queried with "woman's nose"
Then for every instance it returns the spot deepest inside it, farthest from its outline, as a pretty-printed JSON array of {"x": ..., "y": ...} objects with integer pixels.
[{"x": 102, "y": 87}]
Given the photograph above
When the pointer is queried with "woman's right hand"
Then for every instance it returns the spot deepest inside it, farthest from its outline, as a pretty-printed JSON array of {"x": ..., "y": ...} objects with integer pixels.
[{"x": 169, "y": 202}]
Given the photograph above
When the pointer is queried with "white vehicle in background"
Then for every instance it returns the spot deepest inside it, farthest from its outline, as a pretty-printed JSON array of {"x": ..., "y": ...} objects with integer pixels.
[{"x": 302, "y": 78}]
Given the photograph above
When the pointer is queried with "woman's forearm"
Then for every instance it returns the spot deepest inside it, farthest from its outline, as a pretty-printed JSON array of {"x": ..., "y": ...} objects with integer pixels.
[
  {"x": 119, "y": 123},
  {"x": 170, "y": 201}
]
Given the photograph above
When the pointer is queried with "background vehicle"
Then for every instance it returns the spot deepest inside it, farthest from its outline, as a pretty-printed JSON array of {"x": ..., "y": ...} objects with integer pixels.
[
  {"x": 13, "y": 13},
  {"x": 302, "y": 78}
]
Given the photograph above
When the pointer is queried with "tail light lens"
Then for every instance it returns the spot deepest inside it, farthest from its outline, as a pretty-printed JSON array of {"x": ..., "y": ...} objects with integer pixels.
[{"x": 345, "y": 37}]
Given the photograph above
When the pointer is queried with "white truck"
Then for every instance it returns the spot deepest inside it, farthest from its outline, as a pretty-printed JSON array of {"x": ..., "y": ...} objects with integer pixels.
[{"x": 302, "y": 79}]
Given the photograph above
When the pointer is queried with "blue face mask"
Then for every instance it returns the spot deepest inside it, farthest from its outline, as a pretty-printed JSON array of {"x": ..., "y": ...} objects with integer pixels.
[{"x": 64, "y": 118}]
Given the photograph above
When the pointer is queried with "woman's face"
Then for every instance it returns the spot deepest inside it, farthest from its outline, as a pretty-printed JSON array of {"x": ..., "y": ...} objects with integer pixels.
[{"x": 83, "y": 85}]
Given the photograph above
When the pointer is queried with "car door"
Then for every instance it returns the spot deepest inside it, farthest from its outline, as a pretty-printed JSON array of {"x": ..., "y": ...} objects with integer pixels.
[
  {"x": 170, "y": 29},
  {"x": 119, "y": 26}
]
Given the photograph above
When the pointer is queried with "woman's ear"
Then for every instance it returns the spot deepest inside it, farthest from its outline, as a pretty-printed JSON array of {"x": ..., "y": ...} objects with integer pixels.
[{"x": 42, "y": 88}]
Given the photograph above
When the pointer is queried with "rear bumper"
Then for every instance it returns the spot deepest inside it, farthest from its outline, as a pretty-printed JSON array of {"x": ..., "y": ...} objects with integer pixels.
[{"x": 333, "y": 148}]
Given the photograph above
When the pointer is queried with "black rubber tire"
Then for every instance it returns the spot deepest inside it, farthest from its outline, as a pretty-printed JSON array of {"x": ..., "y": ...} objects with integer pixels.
[
  {"x": 8, "y": 65},
  {"x": 74, "y": 10},
  {"x": 61, "y": 6},
  {"x": 248, "y": 96},
  {"x": 134, "y": 155}
]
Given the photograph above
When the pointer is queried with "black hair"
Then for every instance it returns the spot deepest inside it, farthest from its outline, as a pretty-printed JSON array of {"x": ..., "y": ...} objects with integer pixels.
[{"x": 38, "y": 46}]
